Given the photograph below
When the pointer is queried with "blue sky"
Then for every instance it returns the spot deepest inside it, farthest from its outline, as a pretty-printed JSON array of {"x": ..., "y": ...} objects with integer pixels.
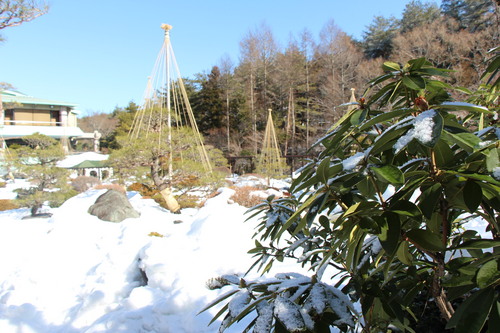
[{"x": 99, "y": 53}]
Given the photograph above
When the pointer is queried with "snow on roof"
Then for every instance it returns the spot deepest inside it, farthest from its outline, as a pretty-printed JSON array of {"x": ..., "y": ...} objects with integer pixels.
[
  {"x": 10, "y": 96},
  {"x": 73, "y": 160}
]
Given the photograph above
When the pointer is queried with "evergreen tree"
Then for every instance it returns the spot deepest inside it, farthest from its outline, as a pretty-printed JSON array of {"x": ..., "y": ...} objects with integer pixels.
[
  {"x": 208, "y": 103},
  {"x": 417, "y": 13},
  {"x": 125, "y": 118},
  {"x": 377, "y": 40},
  {"x": 37, "y": 161},
  {"x": 473, "y": 15}
]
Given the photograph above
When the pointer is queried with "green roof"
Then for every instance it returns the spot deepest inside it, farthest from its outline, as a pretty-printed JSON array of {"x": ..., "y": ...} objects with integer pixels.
[
  {"x": 9, "y": 96},
  {"x": 91, "y": 164}
]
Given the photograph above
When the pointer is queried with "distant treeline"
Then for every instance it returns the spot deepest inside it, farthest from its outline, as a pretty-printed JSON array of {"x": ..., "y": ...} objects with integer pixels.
[{"x": 306, "y": 82}]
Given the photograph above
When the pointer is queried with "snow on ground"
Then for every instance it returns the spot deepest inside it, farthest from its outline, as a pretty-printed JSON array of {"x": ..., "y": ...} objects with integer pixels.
[{"x": 75, "y": 273}]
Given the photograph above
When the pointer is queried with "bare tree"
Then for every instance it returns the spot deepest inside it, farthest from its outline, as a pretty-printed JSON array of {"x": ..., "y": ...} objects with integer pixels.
[
  {"x": 226, "y": 70},
  {"x": 258, "y": 55},
  {"x": 338, "y": 57},
  {"x": 98, "y": 121},
  {"x": 448, "y": 47},
  {"x": 16, "y": 12}
]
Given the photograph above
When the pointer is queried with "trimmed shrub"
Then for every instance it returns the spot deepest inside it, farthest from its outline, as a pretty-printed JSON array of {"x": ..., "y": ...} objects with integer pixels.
[{"x": 83, "y": 183}]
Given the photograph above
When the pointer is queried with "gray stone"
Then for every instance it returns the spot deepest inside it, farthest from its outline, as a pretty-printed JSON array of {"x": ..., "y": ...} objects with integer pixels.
[{"x": 113, "y": 206}]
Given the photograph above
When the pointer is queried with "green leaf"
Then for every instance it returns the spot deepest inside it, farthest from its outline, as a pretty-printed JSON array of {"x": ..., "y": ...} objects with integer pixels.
[
  {"x": 390, "y": 174},
  {"x": 414, "y": 82},
  {"x": 360, "y": 207},
  {"x": 462, "y": 106},
  {"x": 494, "y": 321},
  {"x": 466, "y": 141},
  {"x": 434, "y": 223},
  {"x": 390, "y": 235},
  {"x": 390, "y": 115},
  {"x": 389, "y": 137},
  {"x": 404, "y": 254},
  {"x": 308, "y": 183},
  {"x": 473, "y": 312},
  {"x": 218, "y": 300},
  {"x": 443, "y": 153},
  {"x": 487, "y": 274},
  {"x": 390, "y": 66},
  {"x": 358, "y": 116},
  {"x": 323, "y": 170},
  {"x": 417, "y": 63},
  {"x": 478, "y": 244},
  {"x": 492, "y": 69},
  {"x": 380, "y": 79},
  {"x": 473, "y": 195},
  {"x": 434, "y": 71},
  {"x": 483, "y": 178},
  {"x": 426, "y": 240},
  {"x": 297, "y": 213},
  {"x": 492, "y": 159},
  {"x": 405, "y": 207},
  {"x": 429, "y": 199},
  {"x": 316, "y": 208}
]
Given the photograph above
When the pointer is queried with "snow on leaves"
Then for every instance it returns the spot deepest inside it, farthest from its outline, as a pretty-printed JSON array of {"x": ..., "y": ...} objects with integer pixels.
[{"x": 281, "y": 301}]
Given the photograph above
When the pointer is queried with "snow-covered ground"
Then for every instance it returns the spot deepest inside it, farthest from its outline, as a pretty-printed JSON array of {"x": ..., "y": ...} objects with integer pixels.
[{"x": 75, "y": 273}]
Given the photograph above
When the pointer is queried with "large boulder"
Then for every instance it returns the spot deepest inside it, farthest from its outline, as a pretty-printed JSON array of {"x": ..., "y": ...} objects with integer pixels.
[{"x": 113, "y": 206}]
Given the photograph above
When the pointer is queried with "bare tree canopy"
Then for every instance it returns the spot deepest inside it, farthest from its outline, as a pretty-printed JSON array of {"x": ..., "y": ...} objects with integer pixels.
[{"x": 16, "y": 12}]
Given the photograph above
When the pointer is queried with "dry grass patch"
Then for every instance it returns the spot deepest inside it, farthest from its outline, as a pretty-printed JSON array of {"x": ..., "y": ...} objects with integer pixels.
[
  {"x": 6, "y": 204},
  {"x": 245, "y": 197},
  {"x": 110, "y": 187}
]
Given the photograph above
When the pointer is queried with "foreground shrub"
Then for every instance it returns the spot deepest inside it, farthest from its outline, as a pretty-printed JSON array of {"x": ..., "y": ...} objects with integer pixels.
[{"x": 385, "y": 204}]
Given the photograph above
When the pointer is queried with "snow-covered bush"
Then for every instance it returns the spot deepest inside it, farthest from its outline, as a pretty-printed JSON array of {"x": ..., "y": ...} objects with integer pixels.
[{"x": 385, "y": 207}]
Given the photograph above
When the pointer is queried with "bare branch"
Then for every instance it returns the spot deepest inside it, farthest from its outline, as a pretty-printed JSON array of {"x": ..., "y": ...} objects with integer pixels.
[{"x": 16, "y": 12}]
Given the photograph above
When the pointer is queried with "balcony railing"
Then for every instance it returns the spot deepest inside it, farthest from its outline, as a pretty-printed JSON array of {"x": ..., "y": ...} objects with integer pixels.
[{"x": 32, "y": 123}]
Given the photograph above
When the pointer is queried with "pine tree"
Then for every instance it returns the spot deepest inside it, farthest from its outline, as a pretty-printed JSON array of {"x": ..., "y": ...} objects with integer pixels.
[
  {"x": 473, "y": 15},
  {"x": 37, "y": 161},
  {"x": 208, "y": 103},
  {"x": 377, "y": 40},
  {"x": 417, "y": 13}
]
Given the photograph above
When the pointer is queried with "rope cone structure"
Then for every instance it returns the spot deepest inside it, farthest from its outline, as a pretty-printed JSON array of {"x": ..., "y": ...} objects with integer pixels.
[
  {"x": 165, "y": 113},
  {"x": 270, "y": 162}
]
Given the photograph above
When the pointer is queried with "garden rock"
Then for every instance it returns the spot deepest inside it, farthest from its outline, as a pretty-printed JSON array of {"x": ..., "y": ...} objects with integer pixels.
[{"x": 113, "y": 206}]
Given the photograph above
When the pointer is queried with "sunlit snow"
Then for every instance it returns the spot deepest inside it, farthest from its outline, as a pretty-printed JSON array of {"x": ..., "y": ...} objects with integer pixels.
[{"x": 75, "y": 273}]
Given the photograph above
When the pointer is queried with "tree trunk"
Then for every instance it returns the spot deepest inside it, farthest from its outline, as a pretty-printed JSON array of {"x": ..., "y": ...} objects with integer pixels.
[
  {"x": 164, "y": 187},
  {"x": 438, "y": 293}
]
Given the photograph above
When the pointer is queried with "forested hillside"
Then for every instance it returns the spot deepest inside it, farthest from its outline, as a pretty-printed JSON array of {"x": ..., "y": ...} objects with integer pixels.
[{"x": 307, "y": 79}]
